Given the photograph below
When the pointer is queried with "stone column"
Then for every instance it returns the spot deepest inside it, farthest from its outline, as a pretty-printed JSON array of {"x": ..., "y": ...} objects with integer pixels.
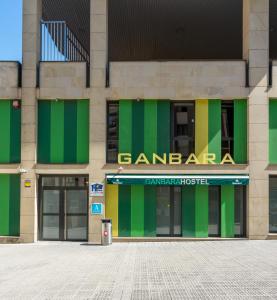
[
  {"x": 98, "y": 54},
  {"x": 256, "y": 51},
  {"x": 31, "y": 50}
]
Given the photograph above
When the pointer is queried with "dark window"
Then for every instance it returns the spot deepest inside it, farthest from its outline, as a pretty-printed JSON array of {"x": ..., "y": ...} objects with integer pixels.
[
  {"x": 214, "y": 211},
  {"x": 240, "y": 211},
  {"x": 141, "y": 30},
  {"x": 183, "y": 128},
  {"x": 227, "y": 128},
  {"x": 273, "y": 29},
  {"x": 112, "y": 131},
  {"x": 273, "y": 204}
]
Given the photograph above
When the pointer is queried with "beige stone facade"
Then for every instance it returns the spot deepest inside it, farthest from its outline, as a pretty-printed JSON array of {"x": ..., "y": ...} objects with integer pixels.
[{"x": 146, "y": 80}]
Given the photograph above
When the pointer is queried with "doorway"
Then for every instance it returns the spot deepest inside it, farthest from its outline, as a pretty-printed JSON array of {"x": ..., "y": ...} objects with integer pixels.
[
  {"x": 63, "y": 208},
  {"x": 169, "y": 211}
]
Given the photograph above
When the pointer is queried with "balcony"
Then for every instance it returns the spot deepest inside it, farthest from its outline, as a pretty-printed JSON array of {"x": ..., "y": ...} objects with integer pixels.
[{"x": 65, "y": 48}]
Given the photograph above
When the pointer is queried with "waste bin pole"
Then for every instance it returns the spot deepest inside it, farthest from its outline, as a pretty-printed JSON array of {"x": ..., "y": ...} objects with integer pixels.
[{"x": 106, "y": 235}]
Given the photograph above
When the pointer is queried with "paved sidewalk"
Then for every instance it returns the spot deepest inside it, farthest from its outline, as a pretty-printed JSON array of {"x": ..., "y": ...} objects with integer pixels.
[{"x": 177, "y": 270}]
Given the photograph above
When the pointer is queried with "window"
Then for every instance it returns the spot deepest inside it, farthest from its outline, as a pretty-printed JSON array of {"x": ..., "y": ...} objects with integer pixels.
[
  {"x": 112, "y": 131},
  {"x": 183, "y": 128},
  {"x": 227, "y": 119},
  {"x": 240, "y": 211},
  {"x": 273, "y": 204}
]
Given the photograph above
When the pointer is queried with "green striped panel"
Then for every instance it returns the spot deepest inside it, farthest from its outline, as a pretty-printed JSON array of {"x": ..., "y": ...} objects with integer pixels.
[
  {"x": 273, "y": 131},
  {"x": 150, "y": 128},
  {"x": 137, "y": 129},
  {"x": 214, "y": 138},
  {"x": 14, "y": 209},
  {"x": 82, "y": 131},
  {"x": 44, "y": 121},
  {"x": 125, "y": 126},
  {"x": 188, "y": 211},
  {"x": 163, "y": 134},
  {"x": 5, "y": 130},
  {"x": 15, "y": 127},
  {"x": 240, "y": 131},
  {"x": 150, "y": 214},
  {"x": 63, "y": 131},
  {"x": 137, "y": 210},
  {"x": 57, "y": 132},
  {"x": 70, "y": 132},
  {"x": 9, "y": 205},
  {"x": 10, "y": 132},
  {"x": 227, "y": 211},
  {"x": 124, "y": 210},
  {"x": 201, "y": 211}
]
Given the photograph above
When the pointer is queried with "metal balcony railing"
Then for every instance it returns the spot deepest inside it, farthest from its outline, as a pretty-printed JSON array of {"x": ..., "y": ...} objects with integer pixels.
[{"x": 58, "y": 43}]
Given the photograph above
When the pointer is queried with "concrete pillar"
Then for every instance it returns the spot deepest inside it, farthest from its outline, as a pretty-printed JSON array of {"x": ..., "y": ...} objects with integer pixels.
[
  {"x": 98, "y": 54},
  {"x": 31, "y": 50},
  {"x": 256, "y": 51}
]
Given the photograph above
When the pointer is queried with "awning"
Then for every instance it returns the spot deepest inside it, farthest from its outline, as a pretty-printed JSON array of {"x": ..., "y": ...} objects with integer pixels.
[{"x": 148, "y": 179}]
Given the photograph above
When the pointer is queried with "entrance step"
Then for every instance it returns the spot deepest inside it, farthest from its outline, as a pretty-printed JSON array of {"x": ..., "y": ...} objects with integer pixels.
[
  {"x": 169, "y": 239},
  {"x": 9, "y": 239}
]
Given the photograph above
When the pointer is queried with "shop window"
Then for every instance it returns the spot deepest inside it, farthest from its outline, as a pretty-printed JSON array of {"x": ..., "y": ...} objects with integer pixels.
[
  {"x": 112, "y": 131},
  {"x": 183, "y": 128},
  {"x": 227, "y": 120},
  {"x": 240, "y": 211},
  {"x": 273, "y": 204}
]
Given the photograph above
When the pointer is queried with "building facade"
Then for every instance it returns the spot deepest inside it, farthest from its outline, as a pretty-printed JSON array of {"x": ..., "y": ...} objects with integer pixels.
[{"x": 169, "y": 106}]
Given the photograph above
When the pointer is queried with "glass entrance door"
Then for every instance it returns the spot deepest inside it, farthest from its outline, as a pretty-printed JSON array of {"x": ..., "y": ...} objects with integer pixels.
[
  {"x": 169, "y": 211},
  {"x": 63, "y": 209}
]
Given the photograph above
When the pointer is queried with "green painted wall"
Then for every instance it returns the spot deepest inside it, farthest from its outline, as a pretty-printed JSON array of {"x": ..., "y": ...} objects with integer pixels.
[
  {"x": 137, "y": 210},
  {"x": 9, "y": 205},
  {"x": 10, "y": 133},
  {"x": 273, "y": 131},
  {"x": 140, "y": 129},
  {"x": 227, "y": 211},
  {"x": 63, "y": 131},
  {"x": 240, "y": 131}
]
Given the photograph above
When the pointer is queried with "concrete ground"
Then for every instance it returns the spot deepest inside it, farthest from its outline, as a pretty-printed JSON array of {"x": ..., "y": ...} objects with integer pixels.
[{"x": 177, "y": 270}]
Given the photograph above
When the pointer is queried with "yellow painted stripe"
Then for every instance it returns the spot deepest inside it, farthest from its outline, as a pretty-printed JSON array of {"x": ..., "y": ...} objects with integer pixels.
[
  {"x": 112, "y": 206},
  {"x": 201, "y": 128}
]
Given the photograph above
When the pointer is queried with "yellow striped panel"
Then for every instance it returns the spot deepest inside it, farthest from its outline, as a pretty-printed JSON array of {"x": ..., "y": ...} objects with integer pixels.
[
  {"x": 112, "y": 206},
  {"x": 201, "y": 128}
]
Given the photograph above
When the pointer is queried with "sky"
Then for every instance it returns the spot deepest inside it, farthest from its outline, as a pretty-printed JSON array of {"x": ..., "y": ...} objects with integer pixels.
[{"x": 11, "y": 30}]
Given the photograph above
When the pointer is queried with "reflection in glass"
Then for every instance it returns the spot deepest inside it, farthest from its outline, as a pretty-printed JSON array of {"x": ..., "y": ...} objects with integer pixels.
[
  {"x": 183, "y": 130},
  {"x": 112, "y": 132},
  {"x": 273, "y": 204},
  {"x": 240, "y": 210},
  {"x": 214, "y": 211},
  {"x": 163, "y": 210},
  {"x": 177, "y": 211},
  {"x": 76, "y": 227},
  {"x": 76, "y": 201},
  {"x": 51, "y": 202},
  {"x": 51, "y": 227}
]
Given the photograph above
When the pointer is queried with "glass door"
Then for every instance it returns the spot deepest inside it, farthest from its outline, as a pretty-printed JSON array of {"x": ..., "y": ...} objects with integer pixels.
[
  {"x": 169, "y": 211},
  {"x": 51, "y": 214},
  {"x": 76, "y": 214},
  {"x": 63, "y": 208}
]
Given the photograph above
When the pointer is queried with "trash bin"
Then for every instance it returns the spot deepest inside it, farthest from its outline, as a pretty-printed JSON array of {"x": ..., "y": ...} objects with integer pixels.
[{"x": 106, "y": 236}]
